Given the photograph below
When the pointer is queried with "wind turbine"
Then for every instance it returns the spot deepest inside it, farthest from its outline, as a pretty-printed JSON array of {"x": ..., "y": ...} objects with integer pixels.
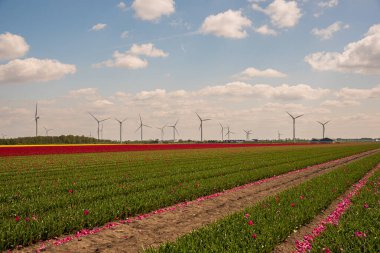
[
  {"x": 201, "y": 125},
  {"x": 247, "y": 133},
  {"x": 323, "y": 127},
  {"x": 99, "y": 121},
  {"x": 142, "y": 125},
  {"x": 222, "y": 131},
  {"x": 294, "y": 124},
  {"x": 121, "y": 126},
  {"x": 162, "y": 131},
  {"x": 174, "y": 130},
  {"x": 279, "y": 135},
  {"x": 36, "y": 118},
  {"x": 228, "y": 133},
  {"x": 47, "y": 131}
]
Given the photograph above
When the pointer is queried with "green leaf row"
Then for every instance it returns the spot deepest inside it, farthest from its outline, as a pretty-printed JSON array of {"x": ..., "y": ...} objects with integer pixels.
[{"x": 266, "y": 224}]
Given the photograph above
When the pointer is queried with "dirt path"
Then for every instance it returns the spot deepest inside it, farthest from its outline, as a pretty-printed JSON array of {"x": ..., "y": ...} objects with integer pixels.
[
  {"x": 290, "y": 244},
  {"x": 169, "y": 225}
]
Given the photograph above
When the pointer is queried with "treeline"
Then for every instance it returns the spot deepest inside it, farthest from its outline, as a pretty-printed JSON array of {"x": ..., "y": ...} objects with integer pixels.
[{"x": 63, "y": 139}]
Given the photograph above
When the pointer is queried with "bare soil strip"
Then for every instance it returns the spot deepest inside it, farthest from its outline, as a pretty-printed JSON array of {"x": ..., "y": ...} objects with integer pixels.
[
  {"x": 290, "y": 244},
  {"x": 169, "y": 225}
]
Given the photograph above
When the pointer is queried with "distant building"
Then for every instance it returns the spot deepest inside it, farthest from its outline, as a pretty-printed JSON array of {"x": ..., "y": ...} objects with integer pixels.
[{"x": 324, "y": 140}]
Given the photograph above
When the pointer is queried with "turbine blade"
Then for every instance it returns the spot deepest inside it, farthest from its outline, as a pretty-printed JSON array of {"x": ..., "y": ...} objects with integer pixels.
[
  {"x": 206, "y": 119},
  {"x": 198, "y": 116},
  {"x": 176, "y": 122},
  {"x": 290, "y": 115},
  {"x": 93, "y": 116},
  {"x": 299, "y": 116},
  {"x": 138, "y": 129}
]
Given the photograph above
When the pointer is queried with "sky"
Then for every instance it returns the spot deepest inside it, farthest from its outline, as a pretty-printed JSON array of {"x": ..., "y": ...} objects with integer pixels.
[{"x": 240, "y": 63}]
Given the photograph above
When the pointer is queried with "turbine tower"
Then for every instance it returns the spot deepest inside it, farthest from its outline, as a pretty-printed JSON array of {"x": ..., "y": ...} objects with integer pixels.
[
  {"x": 228, "y": 133},
  {"x": 174, "y": 130},
  {"x": 36, "y": 118},
  {"x": 162, "y": 131},
  {"x": 121, "y": 126},
  {"x": 201, "y": 125},
  {"x": 294, "y": 124},
  {"x": 247, "y": 134},
  {"x": 323, "y": 128},
  {"x": 142, "y": 125},
  {"x": 279, "y": 135},
  {"x": 99, "y": 121},
  {"x": 47, "y": 131},
  {"x": 222, "y": 131}
]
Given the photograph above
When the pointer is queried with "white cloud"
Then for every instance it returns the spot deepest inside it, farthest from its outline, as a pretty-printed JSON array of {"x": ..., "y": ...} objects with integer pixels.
[
  {"x": 122, "y": 6},
  {"x": 148, "y": 50},
  {"x": 144, "y": 95},
  {"x": 83, "y": 92},
  {"x": 34, "y": 70},
  {"x": 328, "y": 4},
  {"x": 283, "y": 14},
  {"x": 352, "y": 93},
  {"x": 361, "y": 57},
  {"x": 12, "y": 46},
  {"x": 131, "y": 58},
  {"x": 124, "y": 60},
  {"x": 153, "y": 9},
  {"x": 339, "y": 103},
  {"x": 249, "y": 73},
  {"x": 328, "y": 32},
  {"x": 265, "y": 30},
  {"x": 98, "y": 27},
  {"x": 282, "y": 92},
  {"x": 124, "y": 35},
  {"x": 229, "y": 24}
]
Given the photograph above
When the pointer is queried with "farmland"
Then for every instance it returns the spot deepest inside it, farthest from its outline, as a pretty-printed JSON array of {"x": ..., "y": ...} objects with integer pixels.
[{"x": 52, "y": 195}]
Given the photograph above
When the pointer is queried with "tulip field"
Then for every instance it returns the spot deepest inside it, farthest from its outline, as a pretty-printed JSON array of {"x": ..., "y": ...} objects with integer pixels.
[
  {"x": 261, "y": 227},
  {"x": 48, "y": 195}
]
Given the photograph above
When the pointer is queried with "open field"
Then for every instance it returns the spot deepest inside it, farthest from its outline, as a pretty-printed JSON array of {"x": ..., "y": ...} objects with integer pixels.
[{"x": 52, "y": 195}]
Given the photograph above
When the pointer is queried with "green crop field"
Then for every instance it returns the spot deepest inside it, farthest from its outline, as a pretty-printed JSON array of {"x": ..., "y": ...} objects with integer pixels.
[{"x": 45, "y": 196}]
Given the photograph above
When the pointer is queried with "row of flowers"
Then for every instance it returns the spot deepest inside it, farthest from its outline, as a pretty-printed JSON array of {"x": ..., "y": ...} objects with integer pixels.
[{"x": 73, "y": 149}]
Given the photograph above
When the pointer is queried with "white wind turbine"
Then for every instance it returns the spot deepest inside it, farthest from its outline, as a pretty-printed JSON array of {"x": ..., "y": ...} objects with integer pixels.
[
  {"x": 162, "y": 129},
  {"x": 229, "y": 132},
  {"x": 141, "y": 126},
  {"x": 48, "y": 130},
  {"x": 99, "y": 121},
  {"x": 36, "y": 118},
  {"x": 222, "y": 131},
  {"x": 323, "y": 127},
  {"x": 247, "y": 134},
  {"x": 294, "y": 124},
  {"x": 174, "y": 130},
  {"x": 121, "y": 127},
  {"x": 201, "y": 125}
]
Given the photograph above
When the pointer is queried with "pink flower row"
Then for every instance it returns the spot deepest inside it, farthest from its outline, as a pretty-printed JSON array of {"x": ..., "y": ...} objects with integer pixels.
[{"x": 306, "y": 244}]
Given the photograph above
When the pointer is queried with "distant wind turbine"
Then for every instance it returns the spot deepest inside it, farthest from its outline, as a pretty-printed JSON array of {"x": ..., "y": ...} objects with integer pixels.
[
  {"x": 279, "y": 135},
  {"x": 142, "y": 125},
  {"x": 174, "y": 130},
  {"x": 47, "y": 131},
  {"x": 201, "y": 125},
  {"x": 99, "y": 121},
  {"x": 121, "y": 126},
  {"x": 323, "y": 128},
  {"x": 294, "y": 124},
  {"x": 162, "y": 129},
  {"x": 222, "y": 131},
  {"x": 228, "y": 133},
  {"x": 36, "y": 118},
  {"x": 247, "y": 134}
]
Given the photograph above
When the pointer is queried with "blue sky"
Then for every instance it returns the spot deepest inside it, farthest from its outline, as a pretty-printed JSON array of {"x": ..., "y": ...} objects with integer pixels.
[{"x": 241, "y": 63}]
